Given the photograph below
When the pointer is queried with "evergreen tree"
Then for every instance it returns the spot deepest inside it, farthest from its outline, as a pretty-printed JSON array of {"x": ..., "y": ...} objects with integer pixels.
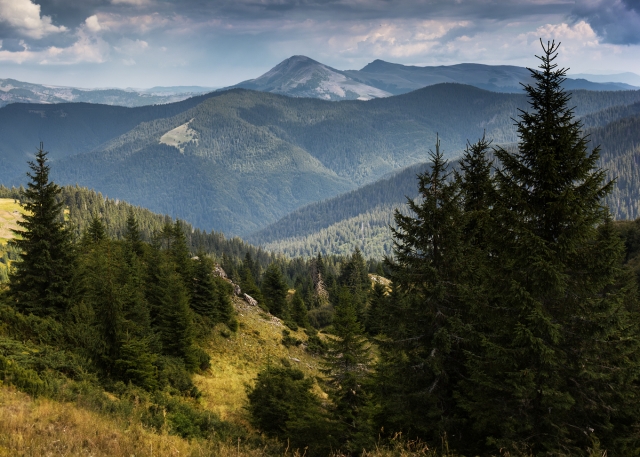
[
  {"x": 95, "y": 233},
  {"x": 40, "y": 281},
  {"x": 422, "y": 362},
  {"x": 224, "y": 307},
  {"x": 299, "y": 310},
  {"x": 274, "y": 291},
  {"x": 556, "y": 363},
  {"x": 347, "y": 368},
  {"x": 175, "y": 323},
  {"x": 354, "y": 275},
  {"x": 375, "y": 312},
  {"x": 132, "y": 235},
  {"x": 180, "y": 254},
  {"x": 203, "y": 294}
]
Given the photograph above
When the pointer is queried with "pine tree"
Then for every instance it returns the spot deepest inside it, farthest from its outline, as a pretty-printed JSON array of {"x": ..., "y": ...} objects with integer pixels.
[
  {"x": 132, "y": 235},
  {"x": 422, "y": 362},
  {"x": 347, "y": 368},
  {"x": 355, "y": 276},
  {"x": 204, "y": 292},
  {"x": 375, "y": 312},
  {"x": 557, "y": 357},
  {"x": 40, "y": 282},
  {"x": 274, "y": 290},
  {"x": 299, "y": 310},
  {"x": 95, "y": 233}
]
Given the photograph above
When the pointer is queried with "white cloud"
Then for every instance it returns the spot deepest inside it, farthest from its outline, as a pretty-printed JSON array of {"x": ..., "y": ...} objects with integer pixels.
[
  {"x": 93, "y": 24},
  {"x": 397, "y": 39},
  {"x": 85, "y": 49},
  {"x": 131, "y": 47},
  {"x": 24, "y": 16}
]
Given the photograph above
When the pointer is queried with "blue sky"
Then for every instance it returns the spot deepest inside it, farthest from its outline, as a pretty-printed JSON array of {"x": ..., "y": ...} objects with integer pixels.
[{"x": 144, "y": 43}]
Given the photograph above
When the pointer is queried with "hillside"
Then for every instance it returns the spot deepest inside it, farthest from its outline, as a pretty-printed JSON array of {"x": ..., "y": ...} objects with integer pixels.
[
  {"x": 239, "y": 160},
  {"x": 361, "y": 218}
]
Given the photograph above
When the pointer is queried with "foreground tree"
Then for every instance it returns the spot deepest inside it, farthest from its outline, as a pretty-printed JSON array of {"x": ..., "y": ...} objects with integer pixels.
[
  {"x": 40, "y": 282},
  {"x": 422, "y": 362},
  {"x": 556, "y": 366}
]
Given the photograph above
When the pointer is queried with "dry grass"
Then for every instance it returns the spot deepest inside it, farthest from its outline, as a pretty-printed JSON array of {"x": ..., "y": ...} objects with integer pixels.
[
  {"x": 235, "y": 361},
  {"x": 47, "y": 428},
  {"x": 10, "y": 214}
]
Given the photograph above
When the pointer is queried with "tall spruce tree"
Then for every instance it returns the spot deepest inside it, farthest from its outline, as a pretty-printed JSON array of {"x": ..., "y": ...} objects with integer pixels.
[
  {"x": 422, "y": 362},
  {"x": 40, "y": 281},
  {"x": 556, "y": 365}
]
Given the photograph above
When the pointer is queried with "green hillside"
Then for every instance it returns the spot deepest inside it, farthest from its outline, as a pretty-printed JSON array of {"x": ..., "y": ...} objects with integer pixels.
[
  {"x": 361, "y": 218},
  {"x": 241, "y": 160}
]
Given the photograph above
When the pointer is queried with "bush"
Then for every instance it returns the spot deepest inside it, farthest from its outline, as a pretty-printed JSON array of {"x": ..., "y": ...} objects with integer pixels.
[
  {"x": 321, "y": 317},
  {"x": 282, "y": 406},
  {"x": 289, "y": 340}
]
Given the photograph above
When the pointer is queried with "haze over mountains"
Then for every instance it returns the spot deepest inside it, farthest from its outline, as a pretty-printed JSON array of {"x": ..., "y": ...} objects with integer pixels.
[
  {"x": 300, "y": 76},
  {"x": 12, "y": 91}
]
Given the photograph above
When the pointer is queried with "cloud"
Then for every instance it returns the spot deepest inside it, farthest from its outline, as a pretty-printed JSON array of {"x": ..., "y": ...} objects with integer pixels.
[
  {"x": 399, "y": 39},
  {"x": 24, "y": 16},
  {"x": 131, "y": 47},
  {"x": 616, "y": 21},
  {"x": 93, "y": 24}
]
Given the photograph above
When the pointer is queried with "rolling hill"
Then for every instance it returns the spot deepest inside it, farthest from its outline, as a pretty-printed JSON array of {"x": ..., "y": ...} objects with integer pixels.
[
  {"x": 361, "y": 218},
  {"x": 236, "y": 161}
]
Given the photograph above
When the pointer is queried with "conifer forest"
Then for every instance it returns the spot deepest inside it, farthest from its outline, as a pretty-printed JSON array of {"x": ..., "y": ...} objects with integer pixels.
[{"x": 485, "y": 304}]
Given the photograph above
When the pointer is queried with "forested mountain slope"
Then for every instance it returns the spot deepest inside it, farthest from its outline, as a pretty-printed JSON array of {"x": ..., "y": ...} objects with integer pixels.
[
  {"x": 361, "y": 218},
  {"x": 68, "y": 129},
  {"x": 238, "y": 160}
]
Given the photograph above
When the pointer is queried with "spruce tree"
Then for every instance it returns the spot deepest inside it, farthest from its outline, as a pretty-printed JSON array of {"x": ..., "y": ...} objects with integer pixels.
[
  {"x": 40, "y": 281},
  {"x": 355, "y": 276},
  {"x": 347, "y": 368},
  {"x": 375, "y": 311},
  {"x": 422, "y": 362},
  {"x": 299, "y": 310},
  {"x": 132, "y": 235},
  {"x": 556, "y": 365},
  {"x": 203, "y": 294},
  {"x": 274, "y": 291}
]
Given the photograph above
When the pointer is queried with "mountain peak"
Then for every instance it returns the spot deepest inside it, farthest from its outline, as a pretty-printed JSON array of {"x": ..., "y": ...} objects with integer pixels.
[{"x": 301, "y": 76}]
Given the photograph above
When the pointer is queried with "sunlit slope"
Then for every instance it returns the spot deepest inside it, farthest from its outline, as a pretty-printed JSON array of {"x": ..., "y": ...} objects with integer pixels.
[
  {"x": 236, "y": 360},
  {"x": 10, "y": 214}
]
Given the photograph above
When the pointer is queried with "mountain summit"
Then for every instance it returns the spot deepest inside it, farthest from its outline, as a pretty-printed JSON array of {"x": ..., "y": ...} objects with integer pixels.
[{"x": 300, "y": 76}]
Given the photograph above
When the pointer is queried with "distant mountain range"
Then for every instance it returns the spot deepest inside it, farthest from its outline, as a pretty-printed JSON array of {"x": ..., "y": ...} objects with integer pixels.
[
  {"x": 12, "y": 91},
  {"x": 300, "y": 76},
  {"x": 626, "y": 78},
  {"x": 238, "y": 160}
]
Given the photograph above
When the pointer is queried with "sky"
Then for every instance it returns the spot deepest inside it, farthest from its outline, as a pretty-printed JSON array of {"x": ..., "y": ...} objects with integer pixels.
[{"x": 217, "y": 43}]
